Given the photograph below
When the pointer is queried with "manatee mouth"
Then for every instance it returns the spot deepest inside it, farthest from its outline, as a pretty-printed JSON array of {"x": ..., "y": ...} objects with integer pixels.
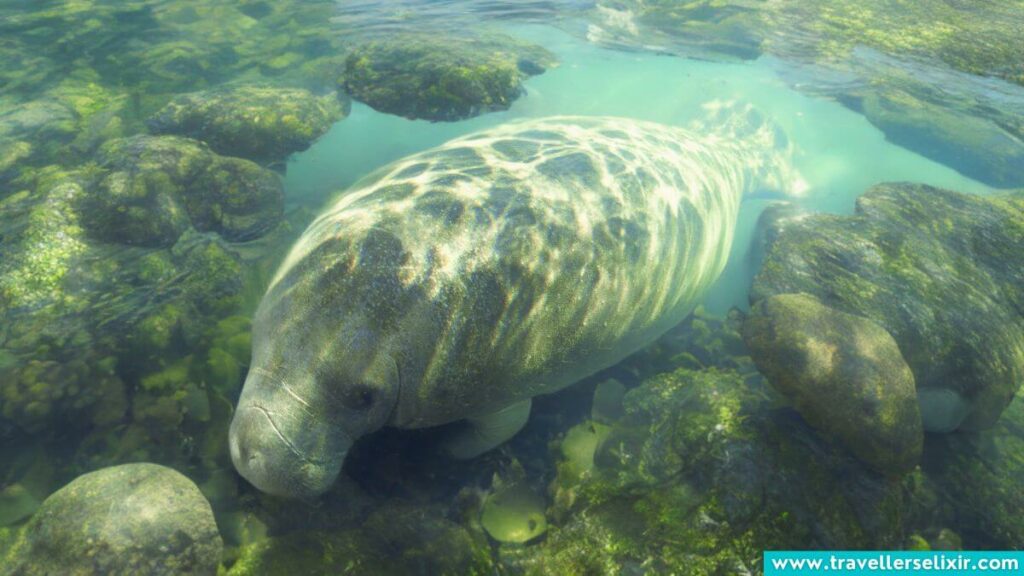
[{"x": 272, "y": 462}]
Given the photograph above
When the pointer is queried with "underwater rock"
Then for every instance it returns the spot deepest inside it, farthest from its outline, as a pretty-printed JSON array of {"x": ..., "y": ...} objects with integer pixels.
[
  {"x": 156, "y": 187},
  {"x": 966, "y": 140},
  {"x": 64, "y": 125},
  {"x": 442, "y": 78},
  {"x": 83, "y": 322},
  {"x": 129, "y": 519},
  {"x": 398, "y": 538},
  {"x": 27, "y": 128},
  {"x": 825, "y": 30},
  {"x": 261, "y": 123},
  {"x": 700, "y": 341},
  {"x": 920, "y": 74},
  {"x": 39, "y": 120},
  {"x": 699, "y": 477},
  {"x": 845, "y": 375},
  {"x": 940, "y": 271}
]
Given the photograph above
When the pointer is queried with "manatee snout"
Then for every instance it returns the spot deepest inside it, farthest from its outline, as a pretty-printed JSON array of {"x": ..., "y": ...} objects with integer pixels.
[{"x": 282, "y": 451}]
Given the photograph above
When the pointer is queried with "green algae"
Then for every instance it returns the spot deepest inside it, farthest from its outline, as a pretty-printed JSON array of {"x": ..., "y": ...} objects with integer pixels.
[
  {"x": 444, "y": 78},
  {"x": 844, "y": 373},
  {"x": 944, "y": 292},
  {"x": 261, "y": 123}
]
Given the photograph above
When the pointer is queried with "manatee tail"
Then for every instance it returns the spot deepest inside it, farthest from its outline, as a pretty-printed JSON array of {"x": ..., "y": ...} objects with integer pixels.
[{"x": 768, "y": 150}]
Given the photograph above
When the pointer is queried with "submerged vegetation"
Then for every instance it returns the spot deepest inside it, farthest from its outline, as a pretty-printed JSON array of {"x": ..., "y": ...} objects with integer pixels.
[{"x": 142, "y": 212}]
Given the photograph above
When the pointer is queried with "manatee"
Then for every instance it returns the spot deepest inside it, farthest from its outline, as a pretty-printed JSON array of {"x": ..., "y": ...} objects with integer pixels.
[{"x": 458, "y": 283}]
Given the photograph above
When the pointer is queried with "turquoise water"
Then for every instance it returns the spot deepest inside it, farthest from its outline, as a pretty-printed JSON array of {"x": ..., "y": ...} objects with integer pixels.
[
  {"x": 837, "y": 151},
  {"x": 251, "y": 393}
]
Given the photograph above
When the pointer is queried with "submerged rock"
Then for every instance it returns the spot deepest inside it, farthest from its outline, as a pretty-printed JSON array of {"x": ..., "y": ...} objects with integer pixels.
[
  {"x": 84, "y": 322},
  {"x": 845, "y": 375},
  {"x": 130, "y": 519},
  {"x": 398, "y": 538},
  {"x": 940, "y": 271},
  {"x": 699, "y": 477},
  {"x": 261, "y": 123},
  {"x": 972, "y": 38},
  {"x": 156, "y": 187},
  {"x": 936, "y": 126},
  {"x": 442, "y": 78},
  {"x": 921, "y": 74}
]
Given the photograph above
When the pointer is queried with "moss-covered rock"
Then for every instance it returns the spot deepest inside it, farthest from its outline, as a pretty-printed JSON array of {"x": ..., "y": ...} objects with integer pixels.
[
  {"x": 844, "y": 374},
  {"x": 979, "y": 39},
  {"x": 398, "y": 538},
  {"x": 74, "y": 357},
  {"x": 912, "y": 71},
  {"x": 261, "y": 123},
  {"x": 130, "y": 519},
  {"x": 938, "y": 271},
  {"x": 700, "y": 476},
  {"x": 973, "y": 139},
  {"x": 441, "y": 78},
  {"x": 156, "y": 187}
]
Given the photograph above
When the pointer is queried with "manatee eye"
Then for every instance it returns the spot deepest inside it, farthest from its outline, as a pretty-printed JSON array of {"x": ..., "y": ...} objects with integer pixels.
[{"x": 358, "y": 397}]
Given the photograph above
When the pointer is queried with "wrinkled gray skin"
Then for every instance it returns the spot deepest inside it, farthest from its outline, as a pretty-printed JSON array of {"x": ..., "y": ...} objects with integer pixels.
[{"x": 500, "y": 266}]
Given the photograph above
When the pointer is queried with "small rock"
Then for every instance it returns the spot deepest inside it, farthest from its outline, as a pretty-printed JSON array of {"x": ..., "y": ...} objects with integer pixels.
[
  {"x": 439, "y": 78},
  {"x": 844, "y": 374},
  {"x": 129, "y": 519},
  {"x": 156, "y": 187},
  {"x": 261, "y": 123}
]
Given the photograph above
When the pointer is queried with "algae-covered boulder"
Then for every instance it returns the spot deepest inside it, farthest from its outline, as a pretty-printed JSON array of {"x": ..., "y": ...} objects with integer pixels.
[
  {"x": 397, "y": 538},
  {"x": 843, "y": 373},
  {"x": 79, "y": 318},
  {"x": 942, "y": 272},
  {"x": 973, "y": 140},
  {"x": 156, "y": 187},
  {"x": 922, "y": 74},
  {"x": 129, "y": 519},
  {"x": 262, "y": 123},
  {"x": 442, "y": 78},
  {"x": 700, "y": 476}
]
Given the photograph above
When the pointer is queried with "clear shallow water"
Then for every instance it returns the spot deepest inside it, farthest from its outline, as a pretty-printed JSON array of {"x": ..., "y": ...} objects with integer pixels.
[
  {"x": 122, "y": 349},
  {"x": 837, "y": 151}
]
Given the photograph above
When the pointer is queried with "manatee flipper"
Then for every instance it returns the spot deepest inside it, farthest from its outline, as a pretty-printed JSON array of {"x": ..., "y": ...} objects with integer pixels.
[{"x": 482, "y": 433}]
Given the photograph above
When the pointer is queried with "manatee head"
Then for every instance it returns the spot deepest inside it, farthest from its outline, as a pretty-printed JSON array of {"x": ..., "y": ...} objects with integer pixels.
[{"x": 320, "y": 378}]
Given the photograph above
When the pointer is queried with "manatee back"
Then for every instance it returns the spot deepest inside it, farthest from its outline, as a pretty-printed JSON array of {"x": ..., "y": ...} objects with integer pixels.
[{"x": 516, "y": 261}]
